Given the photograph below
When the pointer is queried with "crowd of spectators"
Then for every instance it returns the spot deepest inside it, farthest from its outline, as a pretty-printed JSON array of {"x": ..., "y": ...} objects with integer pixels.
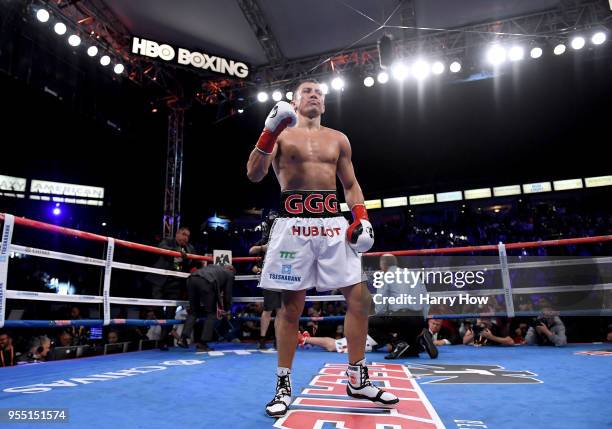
[
  {"x": 519, "y": 222},
  {"x": 395, "y": 229}
]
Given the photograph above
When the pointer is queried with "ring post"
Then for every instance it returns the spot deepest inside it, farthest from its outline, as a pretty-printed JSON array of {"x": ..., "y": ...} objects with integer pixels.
[
  {"x": 108, "y": 267},
  {"x": 7, "y": 235},
  {"x": 505, "y": 273}
]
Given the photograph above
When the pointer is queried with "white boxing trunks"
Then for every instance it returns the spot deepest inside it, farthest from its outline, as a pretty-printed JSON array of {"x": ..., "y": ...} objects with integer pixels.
[{"x": 307, "y": 246}]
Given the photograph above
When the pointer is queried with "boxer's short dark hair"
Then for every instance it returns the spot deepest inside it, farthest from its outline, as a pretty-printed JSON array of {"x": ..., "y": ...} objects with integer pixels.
[{"x": 302, "y": 81}]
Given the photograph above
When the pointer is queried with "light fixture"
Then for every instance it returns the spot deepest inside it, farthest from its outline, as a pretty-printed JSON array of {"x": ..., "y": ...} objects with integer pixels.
[
  {"x": 578, "y": 42},
  {"x": 383, "y": 77},
  {"x": 400, "y": 71},
  {"x": 337, "y": 83},
  {"x": 105, "y": 60},
  {"x": 74, "y": 40},
  {"x": 455, "y": 67},
  {"x": 42, "y": 15},
  {"x": 277, "y": 95},
  {"x": 437, "y": 67},
  {"x": 92, "y": 51},
  {"x": 421, "y": 69},
  {"x": 536, "y": 52},
  {"x": 262, "y": 97},
  {"x": 119, "y": 68},
  {"x": 60, "y": 28},
  {"x": 496, "y": 55},
  {"x": 516, "y": 53},
  {"x": 559, "y": 49},
  {"x": 368, "y": 81},
  {"x": 598, "y": 38},
  {"x": 289, "y": 95}
]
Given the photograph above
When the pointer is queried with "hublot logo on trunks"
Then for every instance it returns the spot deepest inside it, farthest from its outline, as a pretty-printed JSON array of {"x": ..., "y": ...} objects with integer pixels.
[
  {"x": 296, "y": 204},
  {"x": 315, "y": 231}
]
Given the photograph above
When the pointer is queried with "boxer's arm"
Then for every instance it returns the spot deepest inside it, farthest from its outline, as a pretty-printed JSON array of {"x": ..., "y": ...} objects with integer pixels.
[
  {"x": 259, "y": 164},
  {"x": 346, "y": 173}
]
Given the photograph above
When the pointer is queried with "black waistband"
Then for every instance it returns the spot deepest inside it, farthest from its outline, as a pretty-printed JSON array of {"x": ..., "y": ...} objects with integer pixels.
[{"x": 309, "y": 204}]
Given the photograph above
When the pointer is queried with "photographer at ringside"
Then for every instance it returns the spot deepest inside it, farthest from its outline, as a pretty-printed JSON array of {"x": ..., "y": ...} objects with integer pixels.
[
  {"x": 546, "y": 330},
  {"x": 485, "y": 333}
]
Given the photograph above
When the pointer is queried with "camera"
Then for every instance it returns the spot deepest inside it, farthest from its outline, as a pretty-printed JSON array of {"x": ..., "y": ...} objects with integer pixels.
[
  {"x": 537, "y": 322},
  {"x": 477, "y": 329}
]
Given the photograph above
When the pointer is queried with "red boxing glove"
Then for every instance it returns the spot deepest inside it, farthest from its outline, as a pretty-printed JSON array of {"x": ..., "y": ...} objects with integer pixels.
[
  {"x": 267, "y": 139},
  {"x": 360, "y": 234}
]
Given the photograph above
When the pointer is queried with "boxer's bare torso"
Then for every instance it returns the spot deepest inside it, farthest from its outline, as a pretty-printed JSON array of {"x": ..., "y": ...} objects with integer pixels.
[
  {"x": 307, "y": 159},
  {"x": 309, "y": 156}
]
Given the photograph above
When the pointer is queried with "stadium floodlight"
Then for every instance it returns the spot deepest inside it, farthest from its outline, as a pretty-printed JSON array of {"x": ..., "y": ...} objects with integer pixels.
[
  {"x": 262, "y": 97},
  {"x": 536, "y": 52},
  {"x": 559, "y": 49},
  {"x": 598, "y": 38},
  {"x": 455, "y": 67},
  {"x": 60, "y": 28},
  {"x": 337, "y": 83},
  {"x": 42, "y": 15},
  {"x": 496, "y": 55},
  {"x": 578, "y": 42}
]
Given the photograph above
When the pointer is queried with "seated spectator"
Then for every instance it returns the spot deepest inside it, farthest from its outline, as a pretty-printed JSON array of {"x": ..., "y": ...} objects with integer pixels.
[
  {"x": 546, "y": 330},
  {"x": 177, "y": 330},
  {"x": 155, "y": 331},
  {"x": 520, "y": 333},
  {"x": 486, "y": 333},
  {"x": 112, "y": 337},
  {"x": 64, "y": 339},
  {"x": 79, "y": 334},
  {"x": 440, "y": 335},
  {"x": 8, "y": 355},
  {"x": 38, "y": 349}
]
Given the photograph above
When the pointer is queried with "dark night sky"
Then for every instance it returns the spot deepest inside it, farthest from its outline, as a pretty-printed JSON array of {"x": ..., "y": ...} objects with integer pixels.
[{"x": 545, "y": 120}]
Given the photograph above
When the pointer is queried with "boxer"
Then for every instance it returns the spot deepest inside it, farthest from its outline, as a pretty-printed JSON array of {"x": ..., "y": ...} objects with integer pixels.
[{"x": 311, "y": 244}]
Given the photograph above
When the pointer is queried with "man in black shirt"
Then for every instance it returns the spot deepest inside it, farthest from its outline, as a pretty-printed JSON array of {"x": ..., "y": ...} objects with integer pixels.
[
  {"x": 210, "y": 289},
  {"x": 171, "y": 287}
]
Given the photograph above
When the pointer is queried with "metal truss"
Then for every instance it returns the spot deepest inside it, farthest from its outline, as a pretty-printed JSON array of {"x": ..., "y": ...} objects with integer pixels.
[
  {"x": 174, "y": 170},
  {"x": 95, "y": 21},
  {"x": 254, "y": 15},
  {"x": 462, "y": 43}
]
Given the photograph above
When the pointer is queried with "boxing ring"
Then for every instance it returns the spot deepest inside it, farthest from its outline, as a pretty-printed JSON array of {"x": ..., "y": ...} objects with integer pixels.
[{"x": 504, "y": 387}]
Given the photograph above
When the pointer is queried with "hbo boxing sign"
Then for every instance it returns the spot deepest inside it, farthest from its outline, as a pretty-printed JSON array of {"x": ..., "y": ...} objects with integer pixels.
[{"x": 182, "y": 56}]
